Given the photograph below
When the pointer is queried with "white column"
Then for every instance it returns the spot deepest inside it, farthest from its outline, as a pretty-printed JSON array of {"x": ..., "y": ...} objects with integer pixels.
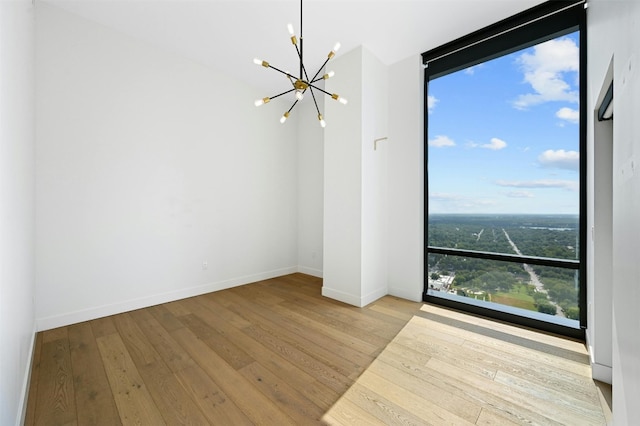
[{"x": 355, "y": 181}]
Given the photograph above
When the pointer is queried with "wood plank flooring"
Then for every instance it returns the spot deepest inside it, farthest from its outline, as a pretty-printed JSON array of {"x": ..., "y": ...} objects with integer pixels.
[{"x": 276, "y": 352}]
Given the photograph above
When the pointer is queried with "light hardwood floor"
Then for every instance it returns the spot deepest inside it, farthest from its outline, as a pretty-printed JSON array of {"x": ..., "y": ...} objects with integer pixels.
[{"x": 276, "y": 352}]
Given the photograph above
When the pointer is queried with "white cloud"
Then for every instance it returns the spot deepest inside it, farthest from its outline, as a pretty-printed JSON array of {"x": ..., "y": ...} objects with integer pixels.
[
  {"x": 519, "y": 194},
  {"x": 431, "y": 103},
  {"x": 545, "y": 70},
  {"x": 568, "y": 114},
  {"x": 442, "y": 196},
  {"x": 441, "y": 141},
  {"x": 570, "y": 185},
  {"x": 495, "y": 144},
  {"x": 560, "y": 159},
  {"x": 456, "y": 202}
]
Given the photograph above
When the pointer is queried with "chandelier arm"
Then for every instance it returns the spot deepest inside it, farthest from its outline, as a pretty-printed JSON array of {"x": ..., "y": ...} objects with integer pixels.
[
  {"x": 301, "y": 54},
  {"x": 321, "y": 68},
  {"x": 314, "y": 99},
  {"x": 317, "y": 79},
  {"x": 298, "y": 52},
  {"x": 322, "y": 90},
  {"x": 283, "y": 93},
  {"x": 280, "y": 71},
  {"x": 294, "y": 104},
  {"x": 303, "y": 69}
]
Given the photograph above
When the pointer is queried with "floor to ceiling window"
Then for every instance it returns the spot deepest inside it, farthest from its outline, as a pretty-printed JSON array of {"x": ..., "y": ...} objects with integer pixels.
[{"x": 505, "y": 170}]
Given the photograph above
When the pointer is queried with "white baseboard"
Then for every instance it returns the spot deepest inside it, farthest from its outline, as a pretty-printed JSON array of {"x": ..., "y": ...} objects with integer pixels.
[
  {"x": 341, "y": 296},
  {"x": 22, "y": 409},
  {"x": 353, "y": 299},
  {"x": 310, "y": 271},
  {"x": 373, "y": 296},
  {"x": 414, "y": 296},
  {"x": 88, "y": 314},
  {"x": 602, "y": 373}
]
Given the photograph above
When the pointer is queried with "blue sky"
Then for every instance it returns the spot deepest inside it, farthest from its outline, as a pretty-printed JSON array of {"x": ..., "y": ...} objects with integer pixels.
[{"x": 504, "y": 135}]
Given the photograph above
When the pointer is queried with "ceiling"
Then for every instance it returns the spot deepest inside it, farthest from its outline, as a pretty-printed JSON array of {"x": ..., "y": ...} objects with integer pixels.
[{"x": 226, "y": 35}]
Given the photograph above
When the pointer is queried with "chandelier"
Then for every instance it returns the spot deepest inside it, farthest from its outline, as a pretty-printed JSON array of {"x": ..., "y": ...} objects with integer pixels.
[{"x": 302, "y": 82}]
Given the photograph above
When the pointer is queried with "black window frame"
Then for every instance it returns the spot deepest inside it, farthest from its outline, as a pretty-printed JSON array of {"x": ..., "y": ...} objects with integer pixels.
[{"x": 544, "y": 22}]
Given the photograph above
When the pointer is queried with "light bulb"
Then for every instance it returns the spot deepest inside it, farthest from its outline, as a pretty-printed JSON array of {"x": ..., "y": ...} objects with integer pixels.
[
  {"x": 261, "y": 62},
  {"x": 337, "y": 97},
  {"x": 284, "y": 117},
  {"x": 322, "y": 122},
  {"x": 299, "y": 95},
  {"x": 294, "y": 40},
  {"x": 328, "y": 75},
  {"x": 262, "y": 101},
  {"x": 335, "y": 49}
]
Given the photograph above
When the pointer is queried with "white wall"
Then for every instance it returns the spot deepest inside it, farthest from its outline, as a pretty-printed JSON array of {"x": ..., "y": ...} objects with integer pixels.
[
  {"x": 600, "y": 235},
  {"x": 310, "y": 187},
  {"x": 342, "y": 242},
  {"x": 149, "y": 165},
  {"x": 375, "y": 207},
  {"x": 614, "y": 32},
  {"x": 406, "y": 178},
  {"x": 17, "y": 220},
  {"x": 355, "y": 181}
]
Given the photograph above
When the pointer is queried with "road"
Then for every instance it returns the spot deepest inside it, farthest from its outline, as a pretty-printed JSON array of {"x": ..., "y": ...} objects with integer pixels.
[{"x": 534, "y": 277}]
